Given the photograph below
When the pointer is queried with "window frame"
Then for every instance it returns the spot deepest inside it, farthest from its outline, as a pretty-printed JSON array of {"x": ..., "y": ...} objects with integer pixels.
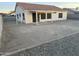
[
  {"x": 60, "y": 15},
  {"x": 43, "y": 16},
  {"x": 23, "y": 16},
  {"x": 49, "y": 17},
  {"x": 19, "y": 15}
]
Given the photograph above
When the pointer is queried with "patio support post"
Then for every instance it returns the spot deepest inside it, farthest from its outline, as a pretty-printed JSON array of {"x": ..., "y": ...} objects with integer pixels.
[
  {"x": 46, "y": 15},
  {"x": 36, "y": 18}
]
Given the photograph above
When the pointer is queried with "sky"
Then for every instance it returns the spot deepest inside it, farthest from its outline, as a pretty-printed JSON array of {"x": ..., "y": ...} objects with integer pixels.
[
  {"x": 7, "y": 6},
  {"x": 10, "y": 6}
]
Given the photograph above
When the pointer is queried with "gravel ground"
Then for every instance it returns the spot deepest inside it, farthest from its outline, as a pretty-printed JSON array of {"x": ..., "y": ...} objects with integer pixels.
[
  {"x": 19, "y": 36},
  {"x": 67, "y": 46}
]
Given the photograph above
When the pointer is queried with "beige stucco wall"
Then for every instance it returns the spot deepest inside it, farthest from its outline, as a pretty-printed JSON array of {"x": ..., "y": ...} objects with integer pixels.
[
  {"x": 1, "y": 24},
  {"x": 28, "y": 17},
  {"x": 55, "y": 16},
  {"x": 64, "y": 15}
]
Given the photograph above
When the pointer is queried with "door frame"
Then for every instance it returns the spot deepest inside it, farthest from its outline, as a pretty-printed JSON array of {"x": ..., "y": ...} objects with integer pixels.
[{"x": 34, "y": 17}]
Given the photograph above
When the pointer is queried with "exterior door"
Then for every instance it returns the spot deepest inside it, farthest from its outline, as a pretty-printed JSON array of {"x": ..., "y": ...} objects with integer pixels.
[{"x": 34, "y": 17}]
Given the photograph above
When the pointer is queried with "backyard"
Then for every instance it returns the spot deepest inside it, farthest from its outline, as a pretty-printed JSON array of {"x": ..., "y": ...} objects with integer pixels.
[{"x": 49, "y": 38}]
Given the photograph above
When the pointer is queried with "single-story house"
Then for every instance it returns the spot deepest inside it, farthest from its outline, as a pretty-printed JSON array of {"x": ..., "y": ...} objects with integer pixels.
[{"x": 30, "y": 13}]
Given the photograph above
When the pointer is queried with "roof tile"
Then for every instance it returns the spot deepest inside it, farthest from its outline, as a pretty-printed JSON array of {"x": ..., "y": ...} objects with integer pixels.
[{"x": 29, "y": 6}]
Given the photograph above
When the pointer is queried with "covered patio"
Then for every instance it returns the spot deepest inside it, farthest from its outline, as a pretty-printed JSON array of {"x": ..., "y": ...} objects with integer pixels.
[{"x": 41, "y": 16}]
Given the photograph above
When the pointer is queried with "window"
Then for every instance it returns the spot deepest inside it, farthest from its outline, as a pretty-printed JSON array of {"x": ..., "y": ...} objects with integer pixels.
[
  {"x": 43, "y": 16},
  {"x": 60, "y": 15},
  {"x": 23, "y": 16},
  {"x": 48, "y": 15},
  {"x": 17, "y": 16}
]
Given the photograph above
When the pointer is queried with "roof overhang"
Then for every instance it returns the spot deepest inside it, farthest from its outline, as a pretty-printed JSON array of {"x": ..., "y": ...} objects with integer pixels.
[{"x": 44, "y": 11}]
